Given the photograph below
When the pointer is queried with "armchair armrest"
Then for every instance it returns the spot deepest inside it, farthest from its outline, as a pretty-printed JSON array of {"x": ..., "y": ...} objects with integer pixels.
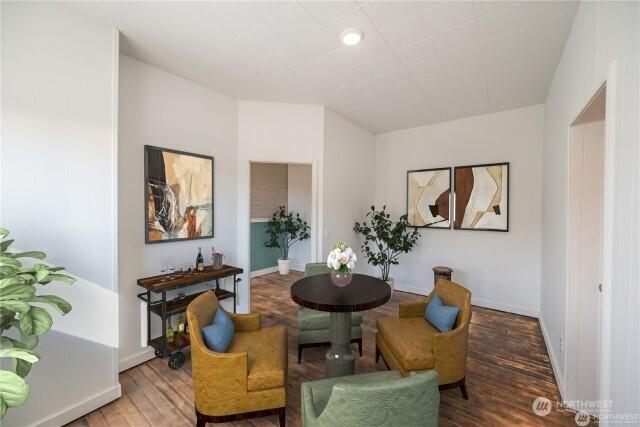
[
  {"x": 413, "y": 308},
  {"x": 450, "y": 353},
  {"x": 245, "y": 322},
  {"x": 309, "y": 415},
  {"x": 219, "y": 377}
]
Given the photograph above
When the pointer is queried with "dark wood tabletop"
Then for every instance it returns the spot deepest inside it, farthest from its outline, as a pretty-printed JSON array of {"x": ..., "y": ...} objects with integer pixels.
[
  {"x": 176, "y": 280},
  {"x": 319, "y": 293}
]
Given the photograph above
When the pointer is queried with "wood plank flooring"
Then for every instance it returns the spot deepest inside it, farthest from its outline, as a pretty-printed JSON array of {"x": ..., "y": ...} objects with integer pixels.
[{"x": 508, "y": 367}]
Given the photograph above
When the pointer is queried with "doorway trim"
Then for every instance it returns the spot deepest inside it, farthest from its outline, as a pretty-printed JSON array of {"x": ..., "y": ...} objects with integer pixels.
[
  {"x": 244, "y": 214},
  {"x": 609, "y": 81}
]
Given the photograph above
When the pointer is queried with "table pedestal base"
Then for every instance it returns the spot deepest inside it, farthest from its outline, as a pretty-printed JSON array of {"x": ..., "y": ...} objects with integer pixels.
[{"x": 340, "y": 359}]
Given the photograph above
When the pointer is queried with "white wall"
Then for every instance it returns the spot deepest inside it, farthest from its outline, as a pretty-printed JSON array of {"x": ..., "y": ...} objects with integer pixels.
[
  {"x": 604, "y": 43},
  {"x": 161, "y": 109},
  {"x": 502, "y": 270},
  {"x": 349, "y": 179},
  {"x": 58, "y": 194},
  {"x": 299, "y": 201},
  {"x": 280, "y": 133}
]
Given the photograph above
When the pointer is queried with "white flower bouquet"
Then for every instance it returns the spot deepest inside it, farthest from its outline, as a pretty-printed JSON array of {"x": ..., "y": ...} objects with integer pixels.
[{"x": 341, "y": 258}]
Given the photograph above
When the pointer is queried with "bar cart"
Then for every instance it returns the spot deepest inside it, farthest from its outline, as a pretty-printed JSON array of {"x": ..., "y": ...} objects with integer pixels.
[{"x": 163, "y": 308}]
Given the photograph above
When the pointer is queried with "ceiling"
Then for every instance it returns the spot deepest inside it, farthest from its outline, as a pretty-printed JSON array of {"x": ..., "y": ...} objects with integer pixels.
[{"x": 419, "y": 62}]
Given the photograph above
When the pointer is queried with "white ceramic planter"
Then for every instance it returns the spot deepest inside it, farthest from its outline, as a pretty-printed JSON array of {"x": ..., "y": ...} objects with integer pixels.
[{"x": 283, "y": 266}]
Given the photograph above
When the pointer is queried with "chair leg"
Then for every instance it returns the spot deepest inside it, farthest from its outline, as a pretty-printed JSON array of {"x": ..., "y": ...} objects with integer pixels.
[
  {"x": 377, "y": 354},
  {"x": 360, "y": 346},
  {"x": 282, "y": 417},
  {"x": 463, "y": 390},
  {"x": 200, "y": 422},
  {"x": 299, "y": 353}
]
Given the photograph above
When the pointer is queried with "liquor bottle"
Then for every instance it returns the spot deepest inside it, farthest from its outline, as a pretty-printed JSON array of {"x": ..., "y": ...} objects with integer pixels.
[
  {"x": 181, "y": 322},
  {"x": 170, "y": 332},
  {"x": 199, "y": 261}
]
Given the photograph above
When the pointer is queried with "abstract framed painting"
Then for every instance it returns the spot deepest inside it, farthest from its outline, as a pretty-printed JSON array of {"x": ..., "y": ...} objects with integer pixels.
[
  {"x": 429, "y": 198},
  {"x": 178, "y": 190},
  {"x": 482, "y": 197}
]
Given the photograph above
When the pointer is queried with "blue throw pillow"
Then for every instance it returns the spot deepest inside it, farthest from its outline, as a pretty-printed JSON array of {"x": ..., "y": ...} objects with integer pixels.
[
  {"x": 441, "y": 316},
  {"x": 219, "y": 334}
]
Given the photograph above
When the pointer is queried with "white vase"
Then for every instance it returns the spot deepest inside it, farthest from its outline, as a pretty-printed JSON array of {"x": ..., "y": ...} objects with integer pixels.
[{"x": 283, "y": 266}]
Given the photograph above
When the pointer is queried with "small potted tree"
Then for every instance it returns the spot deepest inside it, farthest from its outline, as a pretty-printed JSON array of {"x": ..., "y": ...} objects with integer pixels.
[
  {"x": 385, "y": 240},
  {"x": 22, "y": 315},
  {"x": 284, "y": 229}
]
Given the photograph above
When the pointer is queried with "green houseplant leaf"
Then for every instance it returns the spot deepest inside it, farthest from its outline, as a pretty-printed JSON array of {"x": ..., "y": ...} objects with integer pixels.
[
  {"x": 62, "y": 305},
  {"x": 19, "y": 353},
  {"x": 16, "y": 306},
  {"x": 41, "y": 320},
  {"x": 17, "y": 292},
  {"x": 9, "y": 261},
  {"x": 13, "y": 389},
  {"x": 59, "y": 278},
  {"x": 31, "y": 254}
]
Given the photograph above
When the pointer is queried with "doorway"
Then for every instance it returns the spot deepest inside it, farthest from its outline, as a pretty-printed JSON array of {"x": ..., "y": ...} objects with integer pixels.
[
  {"x": 274, "y": 185},
  {"x": 585, "y": 260}
]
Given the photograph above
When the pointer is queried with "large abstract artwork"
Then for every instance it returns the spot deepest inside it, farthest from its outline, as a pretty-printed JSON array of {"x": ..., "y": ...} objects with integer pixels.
[
  {"x": 428, "y": 198},
  {"x": 178, "y": 194},
  {"x": 482, "y": 197}
]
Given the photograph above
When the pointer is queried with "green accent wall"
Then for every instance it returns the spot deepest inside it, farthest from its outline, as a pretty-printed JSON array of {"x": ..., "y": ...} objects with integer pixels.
[{"x": 261, "y": 257}]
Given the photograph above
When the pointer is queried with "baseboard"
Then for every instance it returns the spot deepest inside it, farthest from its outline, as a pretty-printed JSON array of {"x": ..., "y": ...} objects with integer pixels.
[
  {"x": 296, "y": 267},
  {"x": 552, "y": 356},
  {"x": 273, "y": 270},
  {"x": 136, "y": 359},
  {"x": 411, "y": 289},
  {"x": 475, "y": 301},
  {"x": 263, "y": 271},
  {"x": 81, "y": 409},
  {"x": 515, "y": 309}
]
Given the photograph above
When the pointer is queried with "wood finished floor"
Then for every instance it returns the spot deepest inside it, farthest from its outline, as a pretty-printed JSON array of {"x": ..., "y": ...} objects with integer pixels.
[{"x": 508, "y": 367}]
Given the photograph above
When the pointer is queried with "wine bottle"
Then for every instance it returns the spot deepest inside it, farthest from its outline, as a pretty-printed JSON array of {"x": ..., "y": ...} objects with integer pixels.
[
  {"x": 181, "y": 322},
  {"x": 170, "y": 332},
  {"x": 199, "y": 261}
]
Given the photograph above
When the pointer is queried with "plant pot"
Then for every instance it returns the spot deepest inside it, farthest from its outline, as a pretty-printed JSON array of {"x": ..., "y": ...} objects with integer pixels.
[
  {"x": 283, "y": 266},
  {"x": 341, "y": 279}
]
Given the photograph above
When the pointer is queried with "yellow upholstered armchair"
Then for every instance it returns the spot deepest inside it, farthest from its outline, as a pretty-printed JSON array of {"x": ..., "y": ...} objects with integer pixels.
[
  {"x": 249, "y": 380},
  {"x": 409, "y": 343}
]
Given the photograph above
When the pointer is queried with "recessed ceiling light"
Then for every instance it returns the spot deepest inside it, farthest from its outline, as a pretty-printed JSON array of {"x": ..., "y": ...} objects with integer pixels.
[{"x": 351, "y": 36}]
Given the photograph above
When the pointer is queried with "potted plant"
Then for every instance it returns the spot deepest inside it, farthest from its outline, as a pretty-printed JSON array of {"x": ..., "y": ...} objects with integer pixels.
[
  {"x": 284, "y": 229},
  {"x": 20, "y": 309},
  {"x": 385, "y": 240}
]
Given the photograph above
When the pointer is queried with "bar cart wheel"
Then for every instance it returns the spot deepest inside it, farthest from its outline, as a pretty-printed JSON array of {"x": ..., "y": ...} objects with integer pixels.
[{"x": 177, "y": 360}]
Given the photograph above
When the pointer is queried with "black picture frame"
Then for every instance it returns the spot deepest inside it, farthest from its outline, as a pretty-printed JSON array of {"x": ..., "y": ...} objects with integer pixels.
[
  {"x": 455, "y": 169},
  {"x": 431, "y": 226},
  {"x": 147, "y": 150}
]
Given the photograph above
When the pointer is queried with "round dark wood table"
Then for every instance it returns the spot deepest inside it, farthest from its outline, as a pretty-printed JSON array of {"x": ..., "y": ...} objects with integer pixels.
[{"x": 319, "y": 293}]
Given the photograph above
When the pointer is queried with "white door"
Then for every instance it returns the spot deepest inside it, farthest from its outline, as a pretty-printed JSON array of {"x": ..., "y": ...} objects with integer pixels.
[{"x": 589, "y": 157}]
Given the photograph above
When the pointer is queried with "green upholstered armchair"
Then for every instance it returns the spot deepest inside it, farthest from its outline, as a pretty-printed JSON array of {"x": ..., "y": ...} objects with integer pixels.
[
  {"x": 379, "y": 398},
  {"x": 313, "y": 325}
]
